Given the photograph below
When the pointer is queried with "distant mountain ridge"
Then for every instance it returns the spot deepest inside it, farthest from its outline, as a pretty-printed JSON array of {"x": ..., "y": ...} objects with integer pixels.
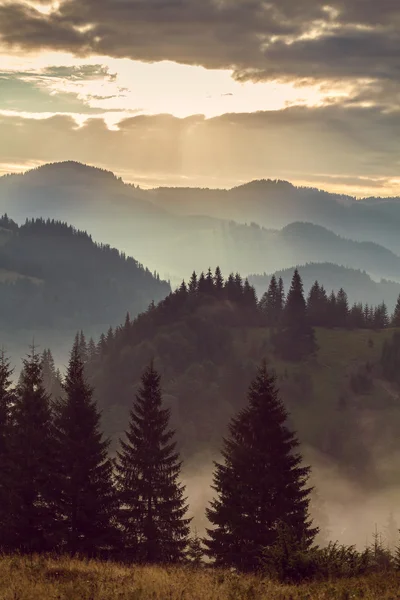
[
  {"x": 275, "y": 204},
  {"x": 176, "y": 230},
  {"x": 64, "y": 278}
]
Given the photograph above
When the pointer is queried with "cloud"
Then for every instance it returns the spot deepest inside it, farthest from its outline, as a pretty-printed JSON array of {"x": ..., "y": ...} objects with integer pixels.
[
  {"x": 20, "y": 94},
  {"x": 256, "y": 39},
  {"x": 80, "y": 72},
  {"x": 58, "y": 89},
  {"x": 300, "y": 144},
  {"x": 355, "y": 54}
]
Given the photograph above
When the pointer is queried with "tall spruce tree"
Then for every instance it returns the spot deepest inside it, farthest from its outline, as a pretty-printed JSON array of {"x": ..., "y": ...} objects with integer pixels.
[
  {"x": 193, "y": 284},
  {"x": 7, "y": 397},
  {"x": 296, "y": 337},
  {"x": 272, "y": 303},
  {"x": 86, "y": 500},
  {"x": 396, "y": 314},
  {"x": 153, "y": 509},
  {"x": 230, "y": 288},
  {"x": 261, "y": 484},
  {"x": 218, "y": 281},
  {"x": 209, "y": 283},
  {"x": 342, "y": 309},
  {"x": 317, "y": 305},
  {"x": 32, "y": 515}
]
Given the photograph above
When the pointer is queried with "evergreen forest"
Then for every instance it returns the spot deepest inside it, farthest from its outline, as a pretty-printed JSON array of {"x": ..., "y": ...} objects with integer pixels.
[{"x": 69, "y": 486}]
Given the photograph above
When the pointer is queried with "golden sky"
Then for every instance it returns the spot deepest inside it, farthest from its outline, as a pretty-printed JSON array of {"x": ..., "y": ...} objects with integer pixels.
[{"x": 320, "y": 80}]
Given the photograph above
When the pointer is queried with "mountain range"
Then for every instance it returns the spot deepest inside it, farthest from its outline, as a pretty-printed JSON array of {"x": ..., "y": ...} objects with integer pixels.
[{"x": 260, "y": 227}]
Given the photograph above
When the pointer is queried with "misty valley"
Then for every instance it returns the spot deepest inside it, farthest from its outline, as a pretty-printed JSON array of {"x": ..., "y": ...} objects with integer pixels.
[
  {"x": 199, "y": 300},
  {"x": 194, "y": 402}
]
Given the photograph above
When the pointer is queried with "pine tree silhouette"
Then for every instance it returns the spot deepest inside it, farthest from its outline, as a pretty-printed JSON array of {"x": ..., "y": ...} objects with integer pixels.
[
  {"x": 193, "y": 284},
  {"x": 32, "y": 517},
  {"x": 396, "y": 314},
  {"x": 86, "y": 501},
  {"x": 342, "y": 309},
  {"x": 296, "y": 337},
  {"x": 218, "y": 281},
  {"x": 153, "y": 508},
  {"x": 317, "y": 306},
  {"x": 260, "y": 484},
  {"x": 195, "y": 552}
]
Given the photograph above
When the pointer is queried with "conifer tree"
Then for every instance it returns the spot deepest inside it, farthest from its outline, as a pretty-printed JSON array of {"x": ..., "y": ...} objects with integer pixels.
[
  {"x": 209, "y": 287},
  {"x": 332, "y": 313},
  {"x": 317, "y": 306},
  {"x": 249, "y": 296},
  {"x": 7, "y": 398},
  {"x": 153, "y": 508},
  {"x": 260, "y": 485},
  {"x": 183, "y": 291},
  {"x": 195, "y": 552},
  {"x": 218, "y": 281},
  {"x": 295, "y": 309},
  {"x": 86, "y": 501},
  {"x": 102, "y": 346},
  {"x": 193, "y": 284},
  {"x": 356, "y": 316},
  {"x": 124, "y": 330},
  {"x": 296, "y": 337},
  {"x": 92, "y": 350},
  {"x": 381, "y": 316},
  {"x": 342, "y": 309},
  {"x": 230, "y": 288},
  {"x": 202, "y": 285},
  {"x": 238, "y": 288},
  {"x": 32, "y": 516},
  {"x": 396, "y": 314},
  {"x": 81, "y": 340},
  {"x": 368, "y": 316},
  {"x": 272, "y": 303}
]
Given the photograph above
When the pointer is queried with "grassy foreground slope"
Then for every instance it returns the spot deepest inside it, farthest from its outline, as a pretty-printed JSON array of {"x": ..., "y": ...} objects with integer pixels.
[{"x": 70, "y": 579}]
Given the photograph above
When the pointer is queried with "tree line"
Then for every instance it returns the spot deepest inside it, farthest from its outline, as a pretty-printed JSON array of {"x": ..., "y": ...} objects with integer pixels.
[
  {"x": 60, "y": 491},
  {"x": 291, "y": 315}
]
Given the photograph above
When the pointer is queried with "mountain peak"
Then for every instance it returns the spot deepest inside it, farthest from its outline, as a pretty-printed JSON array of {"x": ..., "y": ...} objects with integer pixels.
[
  {"x": 258, "y": 185},
  {"x": 72, "y": 170}
]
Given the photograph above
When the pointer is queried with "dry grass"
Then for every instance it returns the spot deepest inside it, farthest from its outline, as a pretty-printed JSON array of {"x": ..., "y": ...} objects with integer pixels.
[{"x": 40, "y": 578}]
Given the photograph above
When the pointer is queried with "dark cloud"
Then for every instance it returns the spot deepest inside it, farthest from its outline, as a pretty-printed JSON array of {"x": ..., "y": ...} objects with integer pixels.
[
  {"x": 354, "y": 54},
  {"x": 259, "y": 40},
  {"x": 25, "y": 27},
  {"x": 300, "y": 144}
]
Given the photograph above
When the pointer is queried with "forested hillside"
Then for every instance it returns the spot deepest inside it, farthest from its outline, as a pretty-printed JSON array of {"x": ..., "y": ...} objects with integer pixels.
[
  {"x": 53, "y": 276},
  {"x": 207, "y": 339}
]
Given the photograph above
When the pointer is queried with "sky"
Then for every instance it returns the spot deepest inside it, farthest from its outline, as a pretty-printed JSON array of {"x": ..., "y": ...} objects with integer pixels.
[{"x": 208, "y": 93}]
